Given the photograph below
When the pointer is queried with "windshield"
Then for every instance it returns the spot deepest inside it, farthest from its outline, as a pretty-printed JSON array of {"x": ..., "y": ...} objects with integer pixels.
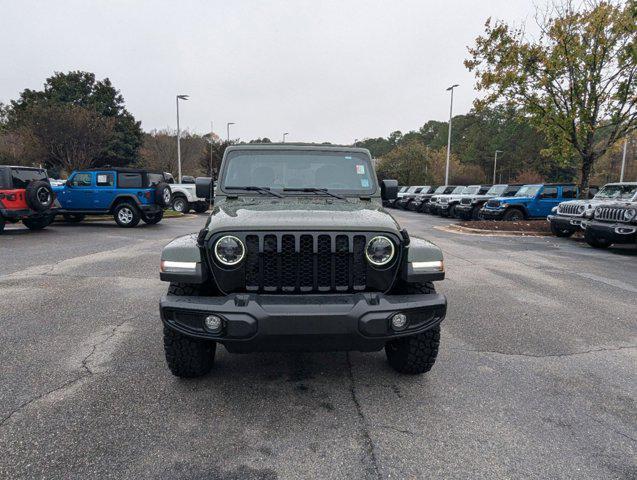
[
  {"x": 458, "y": 190},
  {"x": 23, "y": 176},
  {"x": 345, "y": 172},
  {"x": 496, "y": 190},
  {"x": 617, "y": 192},
  {"x": 528, "y": 191},
  {"x": 440, "y": 189},
  {"x": 471, "y": 190}
]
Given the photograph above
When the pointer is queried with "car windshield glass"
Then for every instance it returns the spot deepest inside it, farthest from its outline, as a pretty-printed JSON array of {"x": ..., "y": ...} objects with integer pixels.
[
  {"x": 496, "y": 190},
  {"x": 440, "y": 189},
  {"x": 618, "y": 192},
  {"x": 458, "y": 190},
  {"x": 528, "y": 191},
  {"x": 23, "y": 176},
  {"x": 471, "y": 190},
  {"x": 154, "y": 178},
  {"x": 344, "y": 172}
]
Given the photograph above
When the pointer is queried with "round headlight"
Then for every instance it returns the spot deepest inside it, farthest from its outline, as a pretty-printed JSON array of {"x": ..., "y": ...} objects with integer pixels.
[
  {"x": 229, "y": 250},
  {"x": 629, "y": 214},
  {"x": 581, "y": 208},
  {"x": 380, "y": 251}
]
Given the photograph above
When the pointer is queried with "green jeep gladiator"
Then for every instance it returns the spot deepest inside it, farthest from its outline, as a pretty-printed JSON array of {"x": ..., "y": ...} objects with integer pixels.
[{"x": 299, "y": 254}]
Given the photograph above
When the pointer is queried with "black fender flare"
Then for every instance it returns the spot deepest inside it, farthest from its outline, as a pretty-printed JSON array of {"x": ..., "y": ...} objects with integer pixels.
[{"x": 121, "y": 197}]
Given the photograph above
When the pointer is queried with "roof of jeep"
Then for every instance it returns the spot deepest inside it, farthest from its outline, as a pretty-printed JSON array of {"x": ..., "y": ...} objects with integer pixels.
[
  {"x": 21, "y": 167},
  {"x": 298, "y": 146}
]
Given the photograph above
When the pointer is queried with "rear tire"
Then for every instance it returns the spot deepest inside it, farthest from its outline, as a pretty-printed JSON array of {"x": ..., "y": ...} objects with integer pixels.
[
  {"x": 187, "y": 357},
  {"x": 201, "y": 207},
  {"x": 513, "y": 215},
  {"x": 415, "y": 354},
  {"x": 2, "y": 223},
  {"x": 561, "y": 232},
  {"x": 126, "y": 215},
  {"x": 37, "y": 223},
  {"x": 73, "y": 217},
  {"x": 39, "y": 196},
  {"x": 596, "y": 242},
  {"x": 154, "y": 219}
]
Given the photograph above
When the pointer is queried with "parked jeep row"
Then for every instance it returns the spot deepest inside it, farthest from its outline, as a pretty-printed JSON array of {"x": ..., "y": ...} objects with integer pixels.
[{"x": 129, "y": 195}]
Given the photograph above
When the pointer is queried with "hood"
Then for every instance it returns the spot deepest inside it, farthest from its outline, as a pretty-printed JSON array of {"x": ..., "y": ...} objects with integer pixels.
[{"x": 301, "y": 214}]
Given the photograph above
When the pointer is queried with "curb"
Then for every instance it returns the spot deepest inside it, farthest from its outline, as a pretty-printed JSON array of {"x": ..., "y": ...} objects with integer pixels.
[{"x": 491, "y": 233}]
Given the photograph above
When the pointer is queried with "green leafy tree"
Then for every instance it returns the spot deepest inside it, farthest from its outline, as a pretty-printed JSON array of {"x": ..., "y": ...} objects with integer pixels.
[
  {"x": 577, "y": 81},
  {"x": 81, "y": 89},
  {"x": 210, "y": 161}
]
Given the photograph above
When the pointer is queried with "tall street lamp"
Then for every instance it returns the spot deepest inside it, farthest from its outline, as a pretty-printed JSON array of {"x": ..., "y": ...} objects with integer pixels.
[
  {"x": 621, "y": 174},
  {"x": 228, "y": 129},
  {"x": 286, "y": 133},
  {"x": 449, "y": 134},
  {"x": 179, "y": 97},
  {"x": 495, "y": 163}
]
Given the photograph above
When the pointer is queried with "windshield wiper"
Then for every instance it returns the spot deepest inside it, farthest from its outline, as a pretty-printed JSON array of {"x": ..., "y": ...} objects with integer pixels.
[
  {"x": 324, "y": 191},
  {"x": 252, "y": 188}
]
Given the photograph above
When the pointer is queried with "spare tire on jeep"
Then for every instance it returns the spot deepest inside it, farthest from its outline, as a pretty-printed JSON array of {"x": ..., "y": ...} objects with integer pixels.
[
  {"x": 40, "y": 196},
  {"x": 163, "y": 194}
]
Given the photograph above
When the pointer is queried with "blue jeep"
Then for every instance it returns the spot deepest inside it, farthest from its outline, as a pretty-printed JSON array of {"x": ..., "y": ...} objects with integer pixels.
[
  {"x": 530, "y": 201},
  {"x": 129, "y": 194}
]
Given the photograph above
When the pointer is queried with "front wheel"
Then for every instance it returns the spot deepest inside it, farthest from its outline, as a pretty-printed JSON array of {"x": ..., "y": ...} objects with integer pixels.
[
  {"x": 187, "y": 357},
  {"x": 201, "y": 207},
  {"x": 37, "y": 223},
  {"x": 180, "y": 205},
  {"x": 595, "y": 242},
  {"x": 415, "y": 354},
  {"x": 2, "y": 222},
  {"x": 561, "y": 232},
  {"x": 126, "y": 215},
  {"x": 513, "y": 215}
]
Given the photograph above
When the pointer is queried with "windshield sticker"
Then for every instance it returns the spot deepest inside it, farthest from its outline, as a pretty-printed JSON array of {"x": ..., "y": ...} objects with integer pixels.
[
  {"x": 360, "y": 169},
  {"x": 364, "y": 183}
]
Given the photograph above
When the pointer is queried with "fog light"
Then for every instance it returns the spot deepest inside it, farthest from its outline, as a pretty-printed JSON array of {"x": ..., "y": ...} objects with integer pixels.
[
  {"x": 399, "y": 321},
  {"x": 213, "y": 323}
]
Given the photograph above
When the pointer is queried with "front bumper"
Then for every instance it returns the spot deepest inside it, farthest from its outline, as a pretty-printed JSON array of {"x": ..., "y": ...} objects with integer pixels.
[
  {"x": 492, "y": 214},
  {"x": 359, "y": 321},
  {"x": 566, "y": 223},
  {"x": 613, "y": 232}
]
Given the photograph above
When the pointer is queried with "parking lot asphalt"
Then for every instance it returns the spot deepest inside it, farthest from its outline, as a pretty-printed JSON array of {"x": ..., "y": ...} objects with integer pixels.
[{"x": 536, "y": 377}]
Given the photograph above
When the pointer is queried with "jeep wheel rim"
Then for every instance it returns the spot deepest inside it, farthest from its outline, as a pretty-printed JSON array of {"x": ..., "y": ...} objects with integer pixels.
[
  {"x": 180, "y": 205},
  {"x": 43, "y": 195},
  {"x": 166, "y": 196},
  {"x": 125, "y": 215}
]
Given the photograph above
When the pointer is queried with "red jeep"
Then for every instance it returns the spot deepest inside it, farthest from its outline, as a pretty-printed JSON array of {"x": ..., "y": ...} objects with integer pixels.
[{"x": 25, "y": 194}]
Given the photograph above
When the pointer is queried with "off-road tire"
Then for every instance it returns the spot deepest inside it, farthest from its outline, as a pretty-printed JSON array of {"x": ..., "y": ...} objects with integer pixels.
[
  {"x": 201, "y": 207},
  {"x": 187, "y": 357},
  {"x": 475, "y": 213},
  {"x": 415, "y": 354},
  {"x": 2, "y": 222},
  {"x": 39, "y": 195},
  {"x": 153, "y": 219},
  {"x": 513, "y": 215},
  {"x": 451, "y": 213},
  {"x": 37, "y": 223},
  {"x": 134, "y": 215},
  {"x": 180, "y": 204},
  {"x": 596, "y": 242},
  {"x": 73, "y": 217},
  {"x": 561, "y": 232}
]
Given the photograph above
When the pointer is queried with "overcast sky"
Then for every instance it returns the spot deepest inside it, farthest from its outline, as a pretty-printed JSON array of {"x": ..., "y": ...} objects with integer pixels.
[{"x": 320, "y": 70}]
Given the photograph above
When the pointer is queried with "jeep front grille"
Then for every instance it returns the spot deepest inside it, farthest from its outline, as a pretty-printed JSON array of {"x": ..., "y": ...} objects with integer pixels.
[
  {"x": 493, "y": 203},
  {"x": 300, "y": 262},
  {"x": 609, "y": 214},
  {"x": 465, "y": 201},
  {"x": 569, "y": 209}
]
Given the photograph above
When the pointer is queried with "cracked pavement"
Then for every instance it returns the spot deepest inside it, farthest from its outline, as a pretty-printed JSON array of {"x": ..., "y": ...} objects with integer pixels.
[{"x": 536, "y": 377}]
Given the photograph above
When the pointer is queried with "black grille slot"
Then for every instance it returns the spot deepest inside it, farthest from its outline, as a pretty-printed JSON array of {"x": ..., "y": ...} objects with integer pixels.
[{"x": 298, "y": 262}]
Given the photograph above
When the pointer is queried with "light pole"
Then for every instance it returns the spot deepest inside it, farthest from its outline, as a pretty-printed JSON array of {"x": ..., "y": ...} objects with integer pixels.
[
  {"x": 179, "y": 97},
  {"x": 449, "y": 134},
  {"x": 211, "y": 140},
  {"x": 228, "y": 129},
  {"x": 495, "y": 163},
  {"x": 286, "y": 133},
  {"x": 621, "y": 174}
]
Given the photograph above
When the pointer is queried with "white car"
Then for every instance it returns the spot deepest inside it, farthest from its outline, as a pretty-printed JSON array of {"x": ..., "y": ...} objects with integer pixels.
[{"x": 185, "y": 198}]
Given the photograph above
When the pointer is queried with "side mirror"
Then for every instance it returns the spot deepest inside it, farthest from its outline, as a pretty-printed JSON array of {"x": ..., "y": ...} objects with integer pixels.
[
  {"x": 389, "y": 189},
  {"x": 203, "y": 187},
  {"x": 68, "y": 183}
]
